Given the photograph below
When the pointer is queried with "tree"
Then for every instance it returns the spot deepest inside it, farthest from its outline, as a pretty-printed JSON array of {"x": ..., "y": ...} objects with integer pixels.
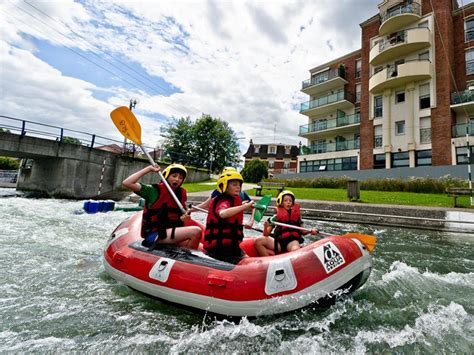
[
  {"x": 71, "y": 140},
  {"x": 5, "y": 130},
  {"x": 208, "y": 142},
  {"x": 255, "y": 170},
  {"x": 7, "y": 163}
]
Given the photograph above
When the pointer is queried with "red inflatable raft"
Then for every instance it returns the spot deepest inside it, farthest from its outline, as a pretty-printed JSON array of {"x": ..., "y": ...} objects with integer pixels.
[{"x": 256, "y": 286}]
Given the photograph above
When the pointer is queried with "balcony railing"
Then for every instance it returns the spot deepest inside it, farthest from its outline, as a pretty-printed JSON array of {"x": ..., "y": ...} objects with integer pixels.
[
  {"x": 413, "y": 8},
  {"x": 323, "y": 125},
  {"x": 378, "y": 142},
  {"x": 333, "y": 147},
  {"x": 425, "y": 135},
  {"x": 326, "y": 100},
  {"x": 325, "y": 76},
  {"x": 459, "y": 130},
  {"x": 469, "y": 35},
  {"x": 462, "y": 97}
]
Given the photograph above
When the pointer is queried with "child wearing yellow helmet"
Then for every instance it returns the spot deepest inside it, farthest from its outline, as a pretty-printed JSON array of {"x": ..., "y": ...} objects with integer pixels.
[
  {"x": 162, "y": 220},
  {"x": 284, "y": 239},
  {"x": 224, "y": 224},
  {"x": 243, "y": 195}
]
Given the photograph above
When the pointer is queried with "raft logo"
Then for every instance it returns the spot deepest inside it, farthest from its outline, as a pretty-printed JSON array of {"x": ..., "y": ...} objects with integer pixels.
[{"x": 330, "y": 256}]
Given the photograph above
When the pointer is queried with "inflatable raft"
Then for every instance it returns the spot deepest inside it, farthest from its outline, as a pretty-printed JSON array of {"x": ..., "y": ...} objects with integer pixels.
[{"x": 256, "y": 286}]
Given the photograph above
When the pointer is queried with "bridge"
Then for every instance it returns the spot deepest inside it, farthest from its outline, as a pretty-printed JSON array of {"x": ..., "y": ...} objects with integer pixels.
[{"x": 74, "y": 165}]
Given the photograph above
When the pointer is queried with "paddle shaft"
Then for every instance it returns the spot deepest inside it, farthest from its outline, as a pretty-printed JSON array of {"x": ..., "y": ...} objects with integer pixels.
[{"x": 168, "y": 187}]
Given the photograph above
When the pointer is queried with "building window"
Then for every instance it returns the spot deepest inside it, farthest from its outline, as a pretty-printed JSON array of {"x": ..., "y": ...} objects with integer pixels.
[
  {"x": 400, "y": 160},
  {"x": 271, "y": 164},
  {"x": 378, "y": 103},
  {"x": 400, "y": 128},
  {"x": 469, "y": 29},
  {"x": 257, "y": 149},
  {"x": 303, "y": 166},
  {"x": 286, "y": 164},
  {"x": 358, "y": 69},
  {"x": 272, "y": 150},
  {"x": 357, "y": 93},
  {"x": 470, "y": 62},
  {"x": 337, "y": 164},
  {"x": 425, "y": 101},
  {"x": 287, "y": 150},
  {"x": 399, "y": 96},
  {"x": 424, "y": 56},
  {"x": 425, "y": 130},
  {"x": 423, "y": 157},
  {"x": 379, "y": 161},
  {"x": 378, "y": 139},
  {"x": 461, "y": 155}
]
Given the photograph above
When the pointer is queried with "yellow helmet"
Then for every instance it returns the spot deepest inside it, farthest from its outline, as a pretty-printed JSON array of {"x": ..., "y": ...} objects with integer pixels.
[
  {"x": 224, "y": 178},
  {"x": 282, "y": 194},
  {"x": 228, "y": 168},
  {"x": 175, "y": 167}
]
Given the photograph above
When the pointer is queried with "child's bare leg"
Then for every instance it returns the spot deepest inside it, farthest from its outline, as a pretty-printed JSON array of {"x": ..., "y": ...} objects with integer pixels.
[
  {"x": 263, "y": 244},
  {"x": 294, "y": 245},
  {"x": 188, "y": 237}
]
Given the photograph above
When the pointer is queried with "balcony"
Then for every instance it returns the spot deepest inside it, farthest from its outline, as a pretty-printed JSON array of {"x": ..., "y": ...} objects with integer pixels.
[
  {"x": 396, "y": 75},
  {"x": 378, "y": 141},
  {"x": 341, "y": 100},
  {"x": 400, "y": 45},
  {"x": 324, "y": 82},
  {"x": 463, "y": 102},
  {"x": 399, "y": 17},
  {"x": 460, "y": 129},
  {"x": 340, "y": 124},
  {"x": 333, "y": 147}
]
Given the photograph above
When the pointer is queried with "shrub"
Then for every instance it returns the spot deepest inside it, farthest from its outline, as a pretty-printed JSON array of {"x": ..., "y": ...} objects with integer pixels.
[
  {"x": 255, "y": 170},
  {"x": 7, "y": 163}
]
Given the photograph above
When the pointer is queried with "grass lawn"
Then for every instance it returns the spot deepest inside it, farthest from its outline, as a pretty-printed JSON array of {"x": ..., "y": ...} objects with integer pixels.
[
  {"x": 200, "y": 186},
  {"x": 377, "y": 197}
]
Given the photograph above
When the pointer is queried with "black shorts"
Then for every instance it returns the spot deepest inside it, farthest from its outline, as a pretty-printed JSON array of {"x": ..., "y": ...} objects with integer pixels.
[
  {"x": 229, "y": 255},
  {"x": 283, "y": 243}
]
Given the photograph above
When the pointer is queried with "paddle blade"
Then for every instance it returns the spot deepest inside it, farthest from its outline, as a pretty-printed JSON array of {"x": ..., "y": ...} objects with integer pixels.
[
  {"x": 368, "y": 240},
  {"x": 261, "y": 207},
  {"x": 127, "y": 124}
]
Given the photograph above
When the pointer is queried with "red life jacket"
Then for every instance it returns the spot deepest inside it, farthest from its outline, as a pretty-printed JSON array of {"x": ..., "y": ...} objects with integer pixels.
[
  {"x": 292, "y": 217},
  {"x": 164, "y": 213},
  {"x": 223, "y": 232}
]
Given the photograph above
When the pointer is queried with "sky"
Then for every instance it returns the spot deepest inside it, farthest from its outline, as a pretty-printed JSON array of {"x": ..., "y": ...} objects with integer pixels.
[{"x": 70, "y": 63}]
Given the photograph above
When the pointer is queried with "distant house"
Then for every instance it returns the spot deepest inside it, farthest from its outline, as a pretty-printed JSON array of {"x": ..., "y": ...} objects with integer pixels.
[
  {"x": 114, "y": 148},
  {"x": 281, "y": 158}
]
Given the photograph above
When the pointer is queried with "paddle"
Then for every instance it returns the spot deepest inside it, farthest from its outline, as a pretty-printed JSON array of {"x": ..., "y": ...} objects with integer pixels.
[
  {"x": 368, "y": 240},
  {"x": 128, "y": 125}
]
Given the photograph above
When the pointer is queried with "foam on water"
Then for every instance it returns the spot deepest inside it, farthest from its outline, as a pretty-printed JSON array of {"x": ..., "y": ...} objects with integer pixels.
[{"x": 55, "y": 296}]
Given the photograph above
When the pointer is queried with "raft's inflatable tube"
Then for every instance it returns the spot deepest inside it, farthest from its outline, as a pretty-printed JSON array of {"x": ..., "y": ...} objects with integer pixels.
[{"x": 256, "y": 286}]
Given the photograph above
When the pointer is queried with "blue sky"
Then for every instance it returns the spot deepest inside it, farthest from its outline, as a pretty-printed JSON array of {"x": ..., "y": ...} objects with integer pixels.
[{"x": 71, "y": 63}]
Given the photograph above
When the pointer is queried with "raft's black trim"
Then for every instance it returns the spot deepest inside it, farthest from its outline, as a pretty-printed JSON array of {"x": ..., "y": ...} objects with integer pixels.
[{"x": 183, "y": 255}]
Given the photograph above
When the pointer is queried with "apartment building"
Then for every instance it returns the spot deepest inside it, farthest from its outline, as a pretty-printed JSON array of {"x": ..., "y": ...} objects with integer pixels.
[
  {"x": 405, "y": 99},
  {"x": 281, "y": 158}
]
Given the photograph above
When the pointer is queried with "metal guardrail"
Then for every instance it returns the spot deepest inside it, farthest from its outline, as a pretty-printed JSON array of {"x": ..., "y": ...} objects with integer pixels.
[{"x": 66, "y": 135}]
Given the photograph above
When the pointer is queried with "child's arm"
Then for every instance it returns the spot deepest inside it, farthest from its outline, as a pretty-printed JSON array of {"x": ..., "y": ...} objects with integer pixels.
[
  {"x": 131, "y": 182},
  {"x": 204, "y": 205},
  {"x": 232, "y": 211},
  {"x": 249, "y": 223},
  {"x": 267, "y": 228},
  {"x": 308, "y": 231}
]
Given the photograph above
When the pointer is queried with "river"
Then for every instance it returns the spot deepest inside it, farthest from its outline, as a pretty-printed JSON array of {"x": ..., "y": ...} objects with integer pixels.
[{"x": 56, "y": 297}]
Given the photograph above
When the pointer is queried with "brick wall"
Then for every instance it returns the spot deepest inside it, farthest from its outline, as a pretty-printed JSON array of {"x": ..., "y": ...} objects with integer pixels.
[{"x": 366, "y": 126}]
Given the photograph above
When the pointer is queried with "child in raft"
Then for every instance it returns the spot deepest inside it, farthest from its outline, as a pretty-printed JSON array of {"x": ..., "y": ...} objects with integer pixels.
[
  {"x": 243, "y": 196},
  {"x": 285, "y": 239},
  {"x": 163, "y": 221},
  {"x": 224, "y": 225}
]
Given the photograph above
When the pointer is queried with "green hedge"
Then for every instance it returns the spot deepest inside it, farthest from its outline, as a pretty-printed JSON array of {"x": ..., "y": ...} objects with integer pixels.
[{"x": 412, "y": 184}]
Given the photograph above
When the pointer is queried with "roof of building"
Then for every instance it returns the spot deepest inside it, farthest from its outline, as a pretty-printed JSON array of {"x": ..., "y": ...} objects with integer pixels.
[{"x": 263, "y": 151}]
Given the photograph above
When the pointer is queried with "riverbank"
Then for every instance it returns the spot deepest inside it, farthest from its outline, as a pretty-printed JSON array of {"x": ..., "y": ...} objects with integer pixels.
[{"x": 458, "y": 220}]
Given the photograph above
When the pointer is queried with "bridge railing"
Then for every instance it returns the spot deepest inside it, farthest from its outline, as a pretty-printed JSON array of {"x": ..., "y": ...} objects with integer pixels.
[{"x": 60, "y": 134}]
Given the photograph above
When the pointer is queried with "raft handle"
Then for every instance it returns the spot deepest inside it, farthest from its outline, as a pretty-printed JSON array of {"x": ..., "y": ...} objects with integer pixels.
[
  {"x": 163, "y": 265},
  {"x": 279, "y": 274},
  {"x": 216, "y": 282}
]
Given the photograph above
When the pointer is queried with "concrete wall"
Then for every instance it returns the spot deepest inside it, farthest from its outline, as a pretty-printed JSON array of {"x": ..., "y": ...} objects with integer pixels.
[
  {"x": 73, "y": 171},
  {"x": 457, "y": 171}
]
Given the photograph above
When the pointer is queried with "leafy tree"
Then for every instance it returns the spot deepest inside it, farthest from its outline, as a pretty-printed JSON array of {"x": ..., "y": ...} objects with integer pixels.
[
  {"x": 5, "y": 130},
  {"x": 208, "y": 142},
  {"x": 71, "y": 140},
  {"x": 7, "y": 163},
  {"x": 255, "y": 170}
]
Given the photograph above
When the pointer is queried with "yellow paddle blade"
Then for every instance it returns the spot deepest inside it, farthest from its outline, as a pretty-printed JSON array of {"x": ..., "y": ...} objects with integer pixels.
[
  {"x": 368, "y": 240},
  {"x": 127, "y": 124}
]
